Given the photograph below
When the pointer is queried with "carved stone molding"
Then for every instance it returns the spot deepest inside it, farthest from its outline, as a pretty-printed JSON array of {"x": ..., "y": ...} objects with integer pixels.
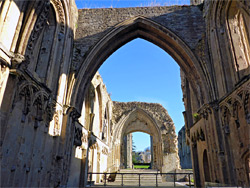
[
  {"x": 236, "y": 100},
  {"x": 40, "y": 23},
  {"x": 35, "y": 98},
  {"x": 60, "y": 10},
  {"x": 205, "y": 111},
  {"x": 245, "y": 5},
  {"x": 198, "y": 136}
]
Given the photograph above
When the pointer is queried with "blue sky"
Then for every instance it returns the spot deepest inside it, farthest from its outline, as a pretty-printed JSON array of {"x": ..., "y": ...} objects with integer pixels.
[
  {"x": 127, "y": 3},
  {"x": 141, "y": 71}
]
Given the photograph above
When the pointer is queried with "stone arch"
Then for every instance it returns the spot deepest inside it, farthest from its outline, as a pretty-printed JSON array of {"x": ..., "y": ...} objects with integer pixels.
[
  {"x": 139, "y": 27},
  {"x": 239, "y": 37},
  {"x": 37, "y": 19},
  {"x": 39, "y": 46},
  {"x": 138, "y": 117},
  {"x": 135, "y": 121}
]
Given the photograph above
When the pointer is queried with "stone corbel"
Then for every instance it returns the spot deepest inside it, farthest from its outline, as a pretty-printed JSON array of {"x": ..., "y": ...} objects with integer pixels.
[
  {"x": 16, "y": 60},
  {"x": 75, "y": 114},
  {"x": 92, "y": 140},
  {"x": 78, "y": 136},
  {"x": 72, "y": 112}
]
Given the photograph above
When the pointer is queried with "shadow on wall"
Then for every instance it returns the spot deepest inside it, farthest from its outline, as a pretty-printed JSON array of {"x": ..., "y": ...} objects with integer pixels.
[{"x": 37, "y": 128}]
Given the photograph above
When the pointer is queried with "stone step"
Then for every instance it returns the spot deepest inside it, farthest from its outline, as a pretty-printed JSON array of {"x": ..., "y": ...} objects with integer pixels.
[
  {"x": 134, "y": 177},
  {"x": 139, "y": 171}
]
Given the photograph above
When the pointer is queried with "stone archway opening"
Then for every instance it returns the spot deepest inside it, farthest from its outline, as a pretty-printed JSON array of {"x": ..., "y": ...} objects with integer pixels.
[
  {"x": 136, "y": 150},
  {"x": 142, "y": 117},
  {"x": 164, "y": 151}
]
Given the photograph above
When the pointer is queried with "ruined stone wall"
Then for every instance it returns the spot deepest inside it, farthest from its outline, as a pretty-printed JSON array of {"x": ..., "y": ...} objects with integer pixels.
[
  {"x": 196, "y": 2},
  {"x": 157, "y": 112},
  {"x": 165, "y": 150},
  {"x": 94, "y": 124},
  {"x": 185, "y": 21},
  {"x": 184, "y": 150},
  {"x": 213, "y": 134}
]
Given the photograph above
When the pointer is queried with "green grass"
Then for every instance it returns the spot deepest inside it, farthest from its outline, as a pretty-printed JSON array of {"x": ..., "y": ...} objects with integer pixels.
[{"x": 140, "y": 166}]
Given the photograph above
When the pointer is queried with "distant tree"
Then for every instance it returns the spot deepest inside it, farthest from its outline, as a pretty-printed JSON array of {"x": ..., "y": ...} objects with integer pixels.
[
  {"x": 135, "y": 154},
  {"x": 135, "y": 157},
  {"x": 133, "y": 146}
]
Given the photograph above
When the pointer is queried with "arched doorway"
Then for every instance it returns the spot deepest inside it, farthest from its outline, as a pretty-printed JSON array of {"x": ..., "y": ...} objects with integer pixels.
[
  {"x": 136, "y": 150},
  {"x": 206, "y": 167},
  {"x": 139, "y": 118}
]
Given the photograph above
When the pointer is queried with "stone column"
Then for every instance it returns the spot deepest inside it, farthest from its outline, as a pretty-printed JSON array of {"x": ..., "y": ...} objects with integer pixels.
[
  {"x": 129, "y": 151},
  {"x": 124, "y": 153},
  {"x": 152, "y": 151}
]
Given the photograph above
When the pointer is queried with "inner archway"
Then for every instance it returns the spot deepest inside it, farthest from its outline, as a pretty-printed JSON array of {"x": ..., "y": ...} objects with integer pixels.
[
  {"x": 132, "y": 156},
  {"x": 141, "y": 119}
]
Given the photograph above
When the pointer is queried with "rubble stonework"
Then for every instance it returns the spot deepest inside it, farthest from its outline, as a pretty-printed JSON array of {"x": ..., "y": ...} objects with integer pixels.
[{"x": 50, "y": 52}]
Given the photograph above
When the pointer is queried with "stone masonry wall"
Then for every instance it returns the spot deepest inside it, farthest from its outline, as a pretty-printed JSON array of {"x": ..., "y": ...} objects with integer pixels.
[{"x": 185, "y": 21}]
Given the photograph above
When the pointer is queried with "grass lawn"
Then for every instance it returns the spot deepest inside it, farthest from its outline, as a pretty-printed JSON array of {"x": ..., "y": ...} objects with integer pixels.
[{"x": 140, "y": 166}]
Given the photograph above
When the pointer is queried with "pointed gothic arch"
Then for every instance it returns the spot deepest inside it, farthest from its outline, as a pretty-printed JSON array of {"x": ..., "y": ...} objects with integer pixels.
[
  {"x": 140, "y": 119},
  {"x": 139, "y": 27}
]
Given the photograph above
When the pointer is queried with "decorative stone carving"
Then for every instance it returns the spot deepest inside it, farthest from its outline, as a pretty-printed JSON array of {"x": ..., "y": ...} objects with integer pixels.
[
  {"x": 198, "y": 136},
  {"x": 50, "y": 109},
  {"x": 205, "y": 111},
  {"x": 17, "y": 59},
  {"x": 40, "y": 23},
  {"x": 74, "y": 114},
  {"x": 56, "y": 125},
  {"x": 92, "y": 141},
  {"x": 104, "y": 150},
  {"x": 78, "y": 136},
  {"x": 59, "y": 9}
]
